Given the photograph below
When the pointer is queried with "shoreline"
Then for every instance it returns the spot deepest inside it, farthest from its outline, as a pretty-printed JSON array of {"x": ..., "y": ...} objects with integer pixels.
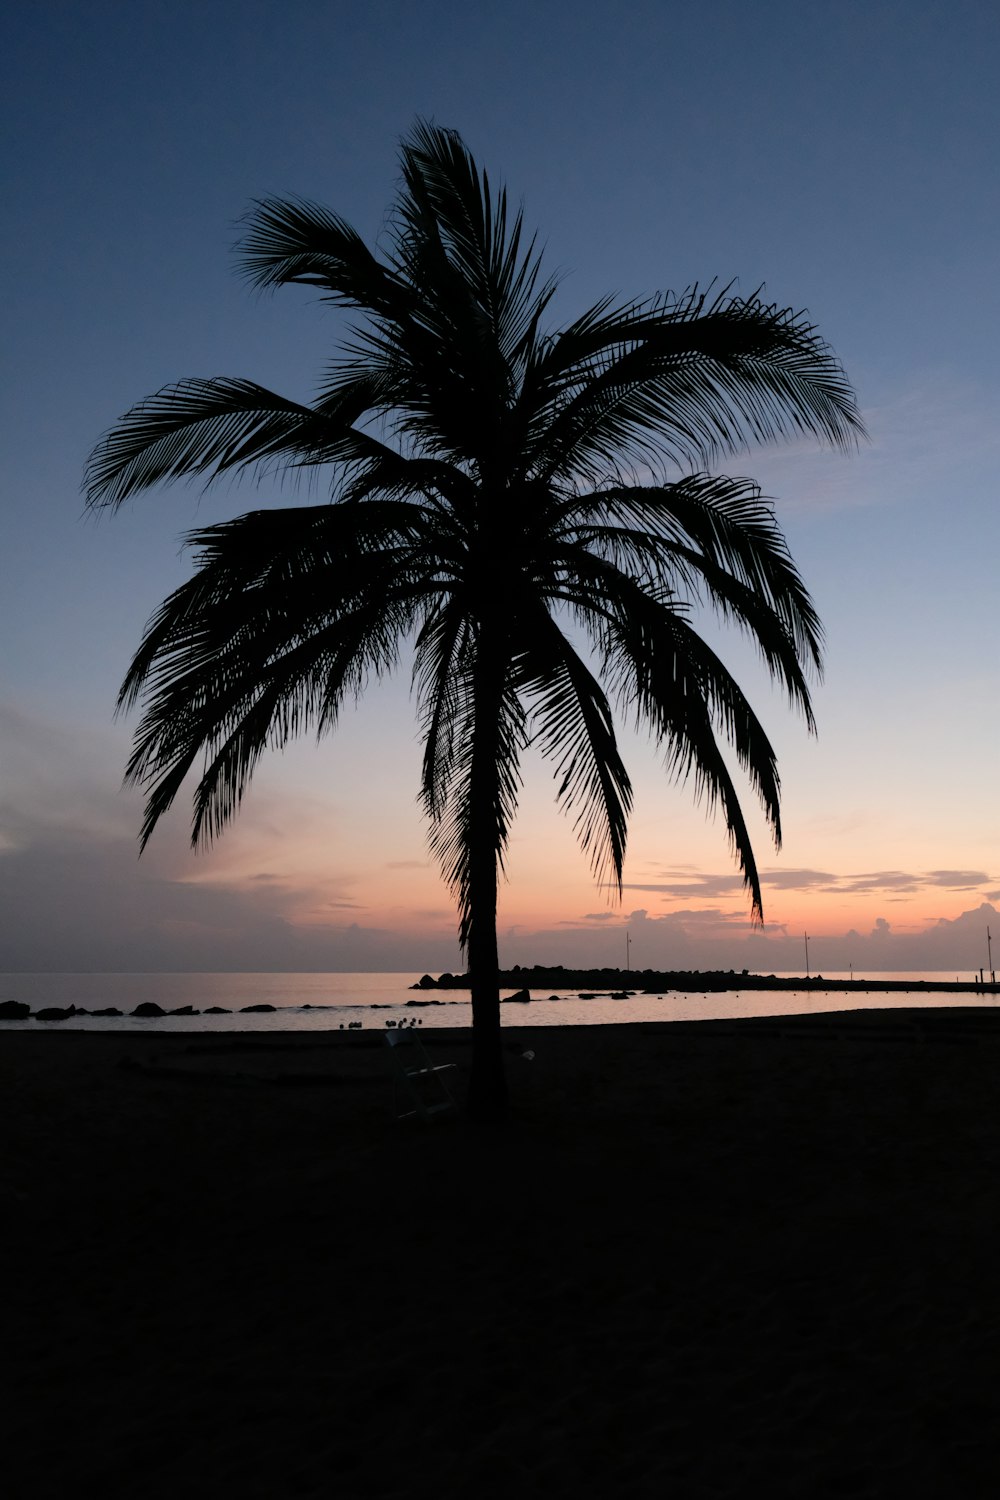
[{"x": 524, "y": 986}]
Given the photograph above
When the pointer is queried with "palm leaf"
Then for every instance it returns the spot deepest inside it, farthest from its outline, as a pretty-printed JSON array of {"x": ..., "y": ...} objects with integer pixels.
[
  {"x": 293, "y": 240},
  {"x": 210, "y": 426},
  {"x": 682, "y": 691},
  {"x": 288, "y": 612},
  {"x": 675, "y": 381},
  {"x": 573, "y": 725}
]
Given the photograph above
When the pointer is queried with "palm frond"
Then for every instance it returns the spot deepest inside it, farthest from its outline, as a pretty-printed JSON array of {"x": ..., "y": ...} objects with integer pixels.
[
  {"x": 719, "y": 538},
  {"x": 450, "y": 217},
  {"x": 442, "y": 675},
  {"x": 210, "y": 426},
  {"x": 680, "y": 381},
  {"x": 287, "y": 613},
  {"x": 495, "y": 740},
  {"x": 573, "y": 725},
  {"x": 683, "y": 691},
  {"x": 294, "y": 240}
]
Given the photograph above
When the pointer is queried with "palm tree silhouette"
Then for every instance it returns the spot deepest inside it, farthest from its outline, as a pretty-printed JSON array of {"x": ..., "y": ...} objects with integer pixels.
[{"x": 485, "y": 511}]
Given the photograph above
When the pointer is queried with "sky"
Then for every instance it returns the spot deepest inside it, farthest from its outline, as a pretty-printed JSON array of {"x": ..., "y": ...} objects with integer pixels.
[{"x": 842, "y": 156}]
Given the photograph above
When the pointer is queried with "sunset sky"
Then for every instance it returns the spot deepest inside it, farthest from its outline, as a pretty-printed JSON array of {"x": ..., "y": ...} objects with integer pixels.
[{"x": 845, "y": 156}]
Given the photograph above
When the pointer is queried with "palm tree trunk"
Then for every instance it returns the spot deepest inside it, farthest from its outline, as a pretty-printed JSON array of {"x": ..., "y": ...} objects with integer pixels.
[
  {"x": 487, "y": 1099},
  {"x": 487, "y": 1085}
]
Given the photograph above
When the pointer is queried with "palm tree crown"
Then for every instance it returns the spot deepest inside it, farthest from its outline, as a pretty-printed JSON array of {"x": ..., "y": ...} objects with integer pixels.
[{"x": 484, "y": 499}]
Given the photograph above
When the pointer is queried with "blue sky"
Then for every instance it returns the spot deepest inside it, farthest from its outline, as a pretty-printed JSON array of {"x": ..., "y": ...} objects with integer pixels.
[{"x": 843, "y": 155}]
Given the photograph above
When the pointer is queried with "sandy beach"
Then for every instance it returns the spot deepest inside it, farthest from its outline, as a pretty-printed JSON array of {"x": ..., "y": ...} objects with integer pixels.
[{"x": 713, "y": 1259}]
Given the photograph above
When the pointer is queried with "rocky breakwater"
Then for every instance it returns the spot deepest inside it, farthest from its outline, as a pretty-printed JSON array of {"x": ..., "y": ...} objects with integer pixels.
[
  {"x": 619, "y": 983},
  {"x": 19, "y": 1010},
  {"x": 521, "y": 996}
]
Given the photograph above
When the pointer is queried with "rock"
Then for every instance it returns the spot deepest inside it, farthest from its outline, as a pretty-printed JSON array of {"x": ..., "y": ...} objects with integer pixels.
[
  {"x": 184, "y": 1010},
  {"x": 522, "y": 997},
  {"x": 252, "y": 1010},
  {"x": 55, "y": 1013},
  {"x": 218, "y": 1010},
  {"x": 111, "y": 1010},
  {"x": 14, "y": 1010},
  {"x": 425, "y": 982},
  {"x": 149, "y": 1008}
]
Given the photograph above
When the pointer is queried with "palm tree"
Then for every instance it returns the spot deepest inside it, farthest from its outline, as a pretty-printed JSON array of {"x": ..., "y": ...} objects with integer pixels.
[{"x": 484, "y": 503}]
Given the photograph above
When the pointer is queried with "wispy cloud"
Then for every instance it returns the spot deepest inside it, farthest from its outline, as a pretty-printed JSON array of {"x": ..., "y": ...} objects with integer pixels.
[
  {"x": 891, "y": 883},
  {"x": 915, "y": 434},
  {"x": 878, "y": 880},
  {"x": 691, "y": 886},
  {"x": 799, "y": 880}
]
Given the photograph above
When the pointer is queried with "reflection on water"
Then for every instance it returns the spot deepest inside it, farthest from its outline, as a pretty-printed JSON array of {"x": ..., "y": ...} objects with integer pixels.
[{"x": 327, "y": 1002}]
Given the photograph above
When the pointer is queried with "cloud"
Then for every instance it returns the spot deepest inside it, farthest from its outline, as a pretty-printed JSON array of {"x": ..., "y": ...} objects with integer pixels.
[
  {"x": 75, "y": 903},
  {"x": 691, "y": 886},
  {"x": 710, "y": 916},
  {"x": 878, "y": 880},
  {"x": 712, "y": 938},
  {"x": 75, "y": 896},
  {"x": 915, "y": 435},
  {"x": 53, "y": 778},
  {"x": 725, "y": 883},
  {"x": 798, "y": 880}
]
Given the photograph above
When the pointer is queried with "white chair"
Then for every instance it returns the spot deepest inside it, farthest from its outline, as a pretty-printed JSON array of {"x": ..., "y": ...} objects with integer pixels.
[{"x": 421, "y": 1080}]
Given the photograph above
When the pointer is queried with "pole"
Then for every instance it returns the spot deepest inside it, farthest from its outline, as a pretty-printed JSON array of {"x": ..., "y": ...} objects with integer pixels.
[
  {"x": 989, "y": 954},
  {"x": 628, "y": 944},
  {"x": 806, "y": 936}
]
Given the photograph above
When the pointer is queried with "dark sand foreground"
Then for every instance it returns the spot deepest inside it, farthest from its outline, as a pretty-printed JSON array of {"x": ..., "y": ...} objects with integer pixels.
[{"x": 722, "y": 1259}]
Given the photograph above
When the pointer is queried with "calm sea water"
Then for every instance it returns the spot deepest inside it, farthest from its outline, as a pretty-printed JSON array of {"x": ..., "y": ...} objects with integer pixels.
[{"x": 327, "y": 1002}]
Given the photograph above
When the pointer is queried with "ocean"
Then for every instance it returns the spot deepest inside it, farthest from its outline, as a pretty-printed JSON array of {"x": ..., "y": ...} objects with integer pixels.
[{"x": 330, "y": 1002}]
